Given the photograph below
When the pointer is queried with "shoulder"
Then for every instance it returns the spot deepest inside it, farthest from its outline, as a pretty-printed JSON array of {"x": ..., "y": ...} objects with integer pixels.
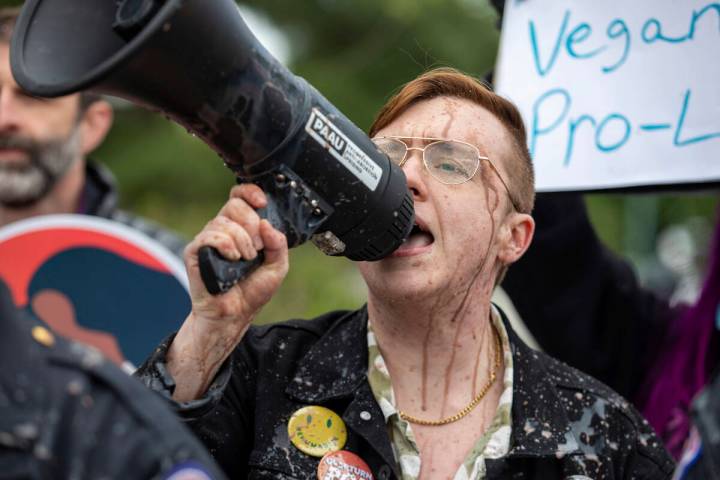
[
  {"x": 280, "y": 347},
  {"x": 604, "y": 424},
  {"x": 565, "y": 414},
  {"x": 66, "y": 394},
  {"x": 578, "y": 394},
  {"x": 568, "y": 379},
  {"x": 302, "y": 332}
]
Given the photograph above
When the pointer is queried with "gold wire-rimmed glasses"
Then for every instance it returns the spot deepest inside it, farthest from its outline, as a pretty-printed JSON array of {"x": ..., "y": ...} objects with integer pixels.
[{"x": 451, "y": 162}]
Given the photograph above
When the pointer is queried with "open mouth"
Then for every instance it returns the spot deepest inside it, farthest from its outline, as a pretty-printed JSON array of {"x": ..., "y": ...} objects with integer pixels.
[{"x": 419, "y": 237}]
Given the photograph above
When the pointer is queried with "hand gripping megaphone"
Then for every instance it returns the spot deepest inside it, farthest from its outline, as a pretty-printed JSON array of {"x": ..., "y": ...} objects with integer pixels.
[{"x": 196, "y": 62}]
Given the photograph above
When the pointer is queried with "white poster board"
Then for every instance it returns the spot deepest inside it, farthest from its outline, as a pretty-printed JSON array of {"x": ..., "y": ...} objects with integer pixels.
[{"x": 615, "y": 93}]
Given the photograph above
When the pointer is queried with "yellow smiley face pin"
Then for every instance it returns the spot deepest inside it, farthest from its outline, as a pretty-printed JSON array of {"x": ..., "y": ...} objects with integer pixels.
[
  {"x": 317, "y": 430},
  {"x": 42, "y": 335}
]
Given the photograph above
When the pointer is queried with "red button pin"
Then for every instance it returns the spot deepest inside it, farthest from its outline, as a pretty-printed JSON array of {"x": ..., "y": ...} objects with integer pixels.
[{"x": 343, "y": 465}]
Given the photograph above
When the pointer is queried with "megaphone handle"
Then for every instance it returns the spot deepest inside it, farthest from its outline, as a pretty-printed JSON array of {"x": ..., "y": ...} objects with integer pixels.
[{"x": 219, "y": 275}]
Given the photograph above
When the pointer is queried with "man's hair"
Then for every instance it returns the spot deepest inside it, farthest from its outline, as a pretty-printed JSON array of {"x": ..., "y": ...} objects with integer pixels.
[
  {"x": 453, "y": 83},
  {"x": 8, "y": 17}
]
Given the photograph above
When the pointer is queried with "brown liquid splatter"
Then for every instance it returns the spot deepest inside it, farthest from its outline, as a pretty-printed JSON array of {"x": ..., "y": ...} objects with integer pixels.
[
  {"x": 476, "y": 367},
  {"x": 451, "y": 108},
  {"x": 488, "y": 187},
  {"x": 461, "y": 307}
]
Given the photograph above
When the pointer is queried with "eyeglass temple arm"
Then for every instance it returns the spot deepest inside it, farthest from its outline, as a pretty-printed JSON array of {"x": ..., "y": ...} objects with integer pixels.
[{"x": 497, "y": 172}]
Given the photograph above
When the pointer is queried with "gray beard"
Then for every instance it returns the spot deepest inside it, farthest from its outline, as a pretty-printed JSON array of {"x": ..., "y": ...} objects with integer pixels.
[{"x": 24, "y": 185}]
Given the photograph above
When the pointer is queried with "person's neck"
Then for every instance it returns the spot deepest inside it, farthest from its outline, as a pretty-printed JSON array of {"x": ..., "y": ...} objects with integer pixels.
[
  {"x": 64, "y": 197},
  {"x": 436, "y": 349}
]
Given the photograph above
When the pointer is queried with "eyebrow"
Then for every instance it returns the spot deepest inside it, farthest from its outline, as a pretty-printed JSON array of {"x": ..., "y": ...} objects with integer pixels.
[{"x": 423, "y": 140}]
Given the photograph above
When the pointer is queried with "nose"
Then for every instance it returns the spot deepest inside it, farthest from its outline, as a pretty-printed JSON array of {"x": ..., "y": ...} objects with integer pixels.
[
  {"x": 10, "y": 114},
  {"x": 415, "y": 174}
]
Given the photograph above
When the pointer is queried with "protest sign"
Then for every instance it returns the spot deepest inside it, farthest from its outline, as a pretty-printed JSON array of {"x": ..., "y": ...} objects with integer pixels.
[{"x": 615, "y": 94}]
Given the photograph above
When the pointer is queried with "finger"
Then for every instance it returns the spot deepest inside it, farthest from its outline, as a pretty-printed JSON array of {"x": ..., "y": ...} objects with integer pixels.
[
  {"x": 190, "y": 252},
  {"x": 259, "y": 287},
  {"x": 251, "y": 193},
  {"x": 276, "y": 249},
  {"x": 239, "y": 211},
  {"x": 222, "y": 241},
  {"x": 243, "y": 241}
]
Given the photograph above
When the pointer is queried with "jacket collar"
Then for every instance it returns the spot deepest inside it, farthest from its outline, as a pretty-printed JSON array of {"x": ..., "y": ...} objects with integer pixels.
[{"x": 99, "y": 196}]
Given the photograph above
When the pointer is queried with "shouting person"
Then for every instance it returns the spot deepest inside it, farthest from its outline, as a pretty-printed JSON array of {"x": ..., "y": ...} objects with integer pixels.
[{"x": 428, "y": 380}]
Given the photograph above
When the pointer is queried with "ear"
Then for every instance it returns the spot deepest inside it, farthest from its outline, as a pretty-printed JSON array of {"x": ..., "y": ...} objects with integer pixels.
[
  {"x": 518, "y": 229},
  {"x": 94, "y": 125}
]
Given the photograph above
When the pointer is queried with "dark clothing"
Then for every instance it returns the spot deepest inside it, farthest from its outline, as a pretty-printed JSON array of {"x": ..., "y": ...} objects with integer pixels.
[
  {"x": 67, "y": 413},
  {"x": 99, "y": 198},
  {"x": 582, "y": 303},
  {"x": 564, "y": 422}
]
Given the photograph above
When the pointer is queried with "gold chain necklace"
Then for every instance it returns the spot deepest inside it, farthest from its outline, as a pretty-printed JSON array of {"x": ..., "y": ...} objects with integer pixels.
[{"x": 473, "y": 403}]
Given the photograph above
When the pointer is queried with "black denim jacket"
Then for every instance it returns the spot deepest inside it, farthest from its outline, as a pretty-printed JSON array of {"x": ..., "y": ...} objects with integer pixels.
[
  {"x": 565, "y": 424},
  {"x": 68, "y": 413}
]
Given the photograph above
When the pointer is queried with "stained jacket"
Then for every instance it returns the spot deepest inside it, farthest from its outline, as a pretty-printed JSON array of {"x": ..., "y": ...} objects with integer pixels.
[
  {"x": 564, "y": 422},
  {"x": 67, "y": 413},
  {"x": 99, "y": 198}
]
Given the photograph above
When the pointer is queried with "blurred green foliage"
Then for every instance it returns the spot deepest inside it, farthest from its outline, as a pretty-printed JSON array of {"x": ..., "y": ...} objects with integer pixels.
[
  {"x": 609, "y": 213},
  {"x": 356, "y": 53}
]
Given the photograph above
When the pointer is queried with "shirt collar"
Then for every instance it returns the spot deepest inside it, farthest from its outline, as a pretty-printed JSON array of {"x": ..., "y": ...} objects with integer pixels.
[{"x": 494, "y": 443}]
